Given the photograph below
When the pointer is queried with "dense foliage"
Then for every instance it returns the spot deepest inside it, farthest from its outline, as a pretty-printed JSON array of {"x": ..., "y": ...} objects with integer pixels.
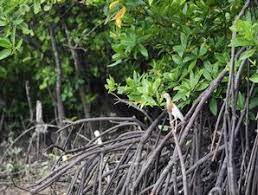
[{"x": 143, "y": 48}]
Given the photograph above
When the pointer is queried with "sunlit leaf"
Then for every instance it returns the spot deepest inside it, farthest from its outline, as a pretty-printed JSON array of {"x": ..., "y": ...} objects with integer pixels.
[
  {"x": 254, "y": 78},
  {"x": 115, "y": 63},
  {"x": 143, "y": 51},
  {"x": 36, "y": 6},
  {"x": 247, "y": 54},
  {"x": 5, "y": 43},
  {"x": 5, "y": 53},
  {"x": 203, "y": 50},
  {"x": 183, "y": 39}
]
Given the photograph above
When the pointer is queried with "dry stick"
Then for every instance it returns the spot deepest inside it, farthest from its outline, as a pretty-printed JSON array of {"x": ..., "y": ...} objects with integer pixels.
[
  {"x": 17, "y": 139},
  {"x": 101, "y": 163},
  {"x": 119, "y": 140},
  {"x": 89, "y": 169},
  {"x": 255, "y": 178},
  {"x": 231, "y": 91},
  {"x": 124, "y": 156},
  {"x": 123, "y": 176},
  {"x": 207, "y": 93},
  {"x": 94, "y": 146},
  {"x": 27, "y": 87},
  {"x": 75, "y": 177},
  {"x": 251, "y": 167},
  {"x": 151, "y": 158},
  {"x": 246, "y": 113},
  {"x": 191, "y": 169},
  {"x": 204, "y": 98},
  {"x": 214, "y": 190},
  {"x": 95, "y": 181},
  {"x": 179, "y": 152},
  {"x": 58, "y": 70},
  {"x": 244, "y": 110},
  {"x": 111, "y": 129},
  {"x": 196, "y": 148},
  {"x": 158, "y": 155},
  {"x": 216, "y": 129},
  {"x": 48, "y": 180},
  {"x": 242, "y": 171},
  {"x": 239, "y": 73},
  {"x": 101, "y": 119},
  {"x": 137, "y": 156},
  {"x": 81, "y": 136},
  {"x": 247, "y": 110},
  {"x": 21, "y": 188},
  {"x": 54, "y": 103},
  {"x": 78, "y": 134},
  {"x": 103, "y": 158},
  {"x": 2, "y": 121},
  {"x": 196, "y": 102},
  {"x": 119, "y": 100},
  {"x": 167, "y": 184},
  {"x": 222, "y": 172}
]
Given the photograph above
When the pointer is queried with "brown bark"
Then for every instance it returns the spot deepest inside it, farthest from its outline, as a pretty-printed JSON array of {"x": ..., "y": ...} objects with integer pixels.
[
  {"x": 59, "y": 103},
  {"x": 27, "y": 87},
  {"x": 60, "y": 107}
]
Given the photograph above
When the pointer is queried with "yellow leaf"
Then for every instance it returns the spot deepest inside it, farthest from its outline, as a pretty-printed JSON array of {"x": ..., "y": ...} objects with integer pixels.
[
  {"x": 119, "y": 15},
  {"x": 113, "y": 4},
  {"x": 118, "y": 23}
]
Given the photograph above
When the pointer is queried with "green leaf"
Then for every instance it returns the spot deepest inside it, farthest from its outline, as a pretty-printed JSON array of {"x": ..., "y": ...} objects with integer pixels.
[
  {"x": 247, "y": 54},
  {"x": 150, "y": 2},
  {"x": 25, "y": 29},
  {"x": 207, "y": 74},
  {"x": 253, "y": 102},
  {"x": 156, "y": 84},
  {"x": 213, "y": 106},
  {"x": 115, "y": 63},
  {"x": 143, "y": 51},
  {"x": 111, "y": 84},
  {"x": 3, "y": 22},
  {"x": 3, "y": 72},
  {"x": 192, "y": 65},
  {"x": 177, "y": 59},
  {"x": 5, "y": 53},
  {"x": 18, "y": 46},
  {"x": 36, "y": 6},
  {"x": 254, "y": 78},
  {"x": 183, "y": 39},
  {"x": 240, "y": 101},
  {"x": 203, "y": 50},
  {"x": 5, "y": 43},
  {"x": 240, "y": 41},
  {"x": 47, "y": 7},
  {"x": 179, "y": 49}
]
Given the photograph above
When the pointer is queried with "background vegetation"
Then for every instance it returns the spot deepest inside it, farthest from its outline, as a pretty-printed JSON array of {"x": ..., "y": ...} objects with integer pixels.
[
  {"x": 142, "y": 48},
  {"x": 70, "y": 54},
  {"x": 138, "y": 48}
]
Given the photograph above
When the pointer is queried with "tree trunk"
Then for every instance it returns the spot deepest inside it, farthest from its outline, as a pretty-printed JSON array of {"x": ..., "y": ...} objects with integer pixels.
[
  {"x": 58, "y": 70},
  {"x": 77, "y": 66}
]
